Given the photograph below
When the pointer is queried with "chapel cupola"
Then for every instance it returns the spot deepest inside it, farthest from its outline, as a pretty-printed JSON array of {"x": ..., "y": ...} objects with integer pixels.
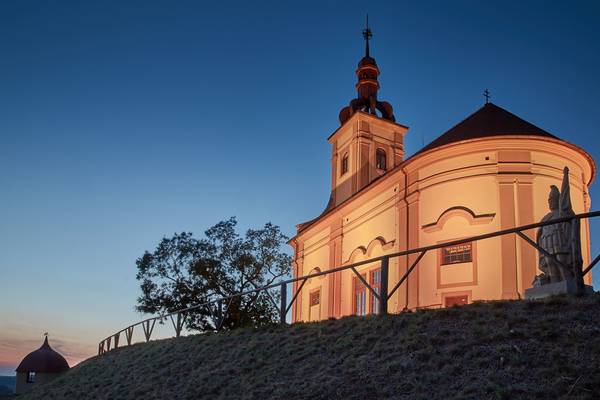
[
  {"x": 39, "y": 367},
  {"x": 367, "y": 87}
]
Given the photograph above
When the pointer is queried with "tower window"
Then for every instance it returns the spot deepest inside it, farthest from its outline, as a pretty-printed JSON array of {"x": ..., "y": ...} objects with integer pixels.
[
  {"x": 345, "y": 164},
  {"x": 381, "y": 159},
  {"x": 30, "y": 377}
]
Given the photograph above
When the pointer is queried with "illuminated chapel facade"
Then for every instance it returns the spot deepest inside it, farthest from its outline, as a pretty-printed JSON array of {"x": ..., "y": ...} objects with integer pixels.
[{"x": 491, "y": 171}]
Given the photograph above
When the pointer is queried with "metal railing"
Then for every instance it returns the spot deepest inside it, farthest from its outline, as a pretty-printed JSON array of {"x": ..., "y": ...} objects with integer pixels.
[{"x": 178, "y": 317}]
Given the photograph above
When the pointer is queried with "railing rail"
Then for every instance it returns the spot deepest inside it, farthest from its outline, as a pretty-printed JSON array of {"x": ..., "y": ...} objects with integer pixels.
[{"x": 178, "y": 317}]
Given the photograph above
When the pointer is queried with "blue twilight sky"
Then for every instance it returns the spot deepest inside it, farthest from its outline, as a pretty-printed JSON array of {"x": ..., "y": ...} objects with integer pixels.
[{"x": 124, "y": 121}]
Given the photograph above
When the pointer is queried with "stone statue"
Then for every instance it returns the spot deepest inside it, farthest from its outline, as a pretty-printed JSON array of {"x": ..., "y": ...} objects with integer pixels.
[{"x": 561, "y": 240}]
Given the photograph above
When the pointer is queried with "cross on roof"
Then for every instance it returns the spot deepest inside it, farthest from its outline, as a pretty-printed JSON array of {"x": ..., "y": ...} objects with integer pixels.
[
  {"x": 367, "y": 35},
  {"x": 487, "y": 95}
]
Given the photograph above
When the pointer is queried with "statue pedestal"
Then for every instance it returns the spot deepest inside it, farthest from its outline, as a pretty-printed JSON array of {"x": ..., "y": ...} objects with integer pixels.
[{"x": 550, "y": 289}]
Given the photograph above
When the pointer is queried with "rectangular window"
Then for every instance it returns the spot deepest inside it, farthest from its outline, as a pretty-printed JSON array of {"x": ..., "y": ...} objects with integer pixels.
[
  {"x": 314, "y": 305},
  {"x": 30, "y": 377},
  {"x": 344, "y": 164},
  {"x": 315, "y": 298},
  {"x": 360, "y": 297},
  {"x": 376, "y": 285},
  {"x": 380, "y": 159},
  {"x": 460, "y": 253},
  {"x": 457, "y": 300}
]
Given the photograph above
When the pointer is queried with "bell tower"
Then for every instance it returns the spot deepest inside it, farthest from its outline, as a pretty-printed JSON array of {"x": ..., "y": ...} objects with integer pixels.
[{"x": 369, "y": 142}]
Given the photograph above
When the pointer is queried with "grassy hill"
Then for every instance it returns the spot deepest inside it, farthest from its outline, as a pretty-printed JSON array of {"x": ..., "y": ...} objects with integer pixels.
[{"x": 493, "y": 350}]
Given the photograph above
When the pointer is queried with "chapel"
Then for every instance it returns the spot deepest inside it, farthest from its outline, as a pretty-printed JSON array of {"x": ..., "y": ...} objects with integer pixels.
[
  {"x": 40, "y": 367},
  {"x": 491, "y": 171}
]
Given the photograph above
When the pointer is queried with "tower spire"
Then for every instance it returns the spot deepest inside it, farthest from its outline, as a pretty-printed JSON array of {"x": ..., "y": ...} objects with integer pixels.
[
  {"x": 367, "y": 35},
  {"x": 367, "y": 87}
]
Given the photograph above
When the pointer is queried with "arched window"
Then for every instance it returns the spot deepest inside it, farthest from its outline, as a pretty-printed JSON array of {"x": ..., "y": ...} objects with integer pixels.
[
  {"x": 344, "y": 164},
  {"x": 381, "y": 159}
]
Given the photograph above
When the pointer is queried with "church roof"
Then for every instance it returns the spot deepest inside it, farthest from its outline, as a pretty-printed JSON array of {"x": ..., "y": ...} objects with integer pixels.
[
  {"x": 490, "y": 120},
  {"x": 44, "y": 359}
]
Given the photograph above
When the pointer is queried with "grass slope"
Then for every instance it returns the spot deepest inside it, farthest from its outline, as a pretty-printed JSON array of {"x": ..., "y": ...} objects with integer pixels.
[{"x": 495, "y": 350}]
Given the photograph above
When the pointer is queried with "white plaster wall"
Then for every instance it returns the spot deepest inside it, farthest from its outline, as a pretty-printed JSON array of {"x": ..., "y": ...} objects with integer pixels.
[
  {"x": 479, "y": 194},
  {"x": 316, "y": 258}
]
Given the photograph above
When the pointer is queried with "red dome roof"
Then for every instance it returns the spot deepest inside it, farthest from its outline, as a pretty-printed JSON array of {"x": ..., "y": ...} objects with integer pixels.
[
  {"x": 43, "y": 360},
  {"x": 366, "y": 61}
]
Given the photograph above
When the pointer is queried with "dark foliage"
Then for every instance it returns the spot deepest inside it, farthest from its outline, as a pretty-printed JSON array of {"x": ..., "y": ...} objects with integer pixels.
[{"x": 184, "y": 271}]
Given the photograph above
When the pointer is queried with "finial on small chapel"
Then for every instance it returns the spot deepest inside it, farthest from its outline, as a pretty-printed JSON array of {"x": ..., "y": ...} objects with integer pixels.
[{"x": 487, "y": 95}]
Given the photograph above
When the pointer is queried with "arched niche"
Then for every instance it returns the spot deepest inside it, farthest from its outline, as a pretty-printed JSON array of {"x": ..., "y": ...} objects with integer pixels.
[
  {"x": 375, "y": 247},
  {"x": 315, "y": 270},
  {"x": 458, "y": 211}
]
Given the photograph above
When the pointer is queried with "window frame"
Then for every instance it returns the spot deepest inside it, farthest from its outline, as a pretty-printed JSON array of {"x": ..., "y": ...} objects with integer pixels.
[
  {"x": 442, "y": 283},
  {"x": 374, "y": 301},
  {"x": 381, "y": 158},
  {"x": 357, "y": 287},
  {"x": 370, "y": 302},
  {"x": 453, "y": 295},
  {"x": 344, "y": 164},
  {"x": 313, "y": 292},
  {"x": 451, "y": 301},
  {"x": 317, "y": 294},
  {"x": 459, "y": 259},
  {"x": 30, "y": 377}
]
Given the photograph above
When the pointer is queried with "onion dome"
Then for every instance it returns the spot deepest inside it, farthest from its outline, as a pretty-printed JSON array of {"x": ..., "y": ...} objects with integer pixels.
[
  {"x": 367, "y": 87},
  {"x": 366, "y": 61},
  {"x": 43, "y": 360}
]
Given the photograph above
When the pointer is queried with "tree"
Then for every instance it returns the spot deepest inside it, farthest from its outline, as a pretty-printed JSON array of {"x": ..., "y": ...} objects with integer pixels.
[{"x": 184, "y": 271}]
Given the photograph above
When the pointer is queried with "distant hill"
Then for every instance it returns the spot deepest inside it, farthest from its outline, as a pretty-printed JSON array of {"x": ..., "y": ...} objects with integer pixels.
[
  {"x": 7, "y": 384},
  {"x": 494, "y": 350}
]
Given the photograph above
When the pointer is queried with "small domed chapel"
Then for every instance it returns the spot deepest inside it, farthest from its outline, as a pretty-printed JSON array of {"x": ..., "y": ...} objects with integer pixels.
[
  {"x": 491, "y": 171},
  {"x": 40, "y": 367}
]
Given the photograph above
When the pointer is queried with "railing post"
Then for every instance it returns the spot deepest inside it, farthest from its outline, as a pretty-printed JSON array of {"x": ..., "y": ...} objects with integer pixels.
[
  {"x": 283, "y": 304},
  {"x": 220, "y": 315},
  {"x": 383, "y": 292},
  {"x": 177, "y": 324},
  {"x": 578, "y": 273},
  {"x": 129, "y": 334}
]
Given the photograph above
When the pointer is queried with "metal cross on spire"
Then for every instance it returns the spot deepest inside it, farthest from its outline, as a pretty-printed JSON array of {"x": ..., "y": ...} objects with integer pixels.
[
  {"x": 367, "y": 35},
  {"x": 487, "y": 95}
]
